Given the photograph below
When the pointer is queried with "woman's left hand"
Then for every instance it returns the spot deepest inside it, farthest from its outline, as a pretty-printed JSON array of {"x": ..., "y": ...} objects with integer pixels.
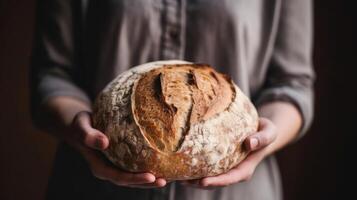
[{"x": 256, "y": 144}]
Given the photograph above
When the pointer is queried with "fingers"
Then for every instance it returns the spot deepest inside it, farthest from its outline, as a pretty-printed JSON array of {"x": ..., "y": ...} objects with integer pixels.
[
  {"x": 233, "y": 176},
  {"x": 242, "y": 172},
  {"x": 87, "y": 135},
  {"x": 266, "y": 134},
  {"x": 196, "y": 184},
  {"x": 90, "y": 139},
  {"x": 103, "y": 171},
  {"x": 124, "y": 178},
  {"x": 160, "y": 182}
]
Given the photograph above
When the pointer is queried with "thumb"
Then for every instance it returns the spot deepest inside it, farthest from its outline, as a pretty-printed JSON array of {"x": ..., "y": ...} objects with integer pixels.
[
  {"x": 266, "y": 134},
  {"x": 87, "y": 135}
]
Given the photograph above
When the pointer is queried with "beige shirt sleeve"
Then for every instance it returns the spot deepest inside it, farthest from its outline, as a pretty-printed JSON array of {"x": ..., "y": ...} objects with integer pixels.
[
  {"x": 290, "y": 74},
  {"x": 81, "y": 45}
]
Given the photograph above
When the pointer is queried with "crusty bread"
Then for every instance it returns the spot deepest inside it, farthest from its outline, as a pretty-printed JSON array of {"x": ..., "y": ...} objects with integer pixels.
[{"x": 176, "y": 119}]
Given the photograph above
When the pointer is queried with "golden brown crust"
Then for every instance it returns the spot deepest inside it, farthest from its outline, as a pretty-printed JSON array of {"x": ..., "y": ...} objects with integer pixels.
[
  {"x": 168, "y": 100},
  {"x": 180, "y": 121}
]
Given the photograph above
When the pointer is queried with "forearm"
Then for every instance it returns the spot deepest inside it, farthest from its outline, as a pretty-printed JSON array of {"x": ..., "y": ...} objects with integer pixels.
[
  {"x": 57, "y": 114},
  {"x": 287, "y": 120}
]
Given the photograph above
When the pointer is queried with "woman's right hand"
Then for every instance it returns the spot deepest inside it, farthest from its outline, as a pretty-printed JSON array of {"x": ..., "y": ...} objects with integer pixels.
[{"x": 88, "y": 141}]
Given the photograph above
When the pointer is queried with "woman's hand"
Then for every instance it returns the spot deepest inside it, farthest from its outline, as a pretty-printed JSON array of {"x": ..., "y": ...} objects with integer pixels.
[
  {"x": 256, "y": 144},
  {"x": 88, "y": 140}
]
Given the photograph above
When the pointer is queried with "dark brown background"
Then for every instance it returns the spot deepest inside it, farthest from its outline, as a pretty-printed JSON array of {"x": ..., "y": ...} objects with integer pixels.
[{"x": 313, "y": 168}]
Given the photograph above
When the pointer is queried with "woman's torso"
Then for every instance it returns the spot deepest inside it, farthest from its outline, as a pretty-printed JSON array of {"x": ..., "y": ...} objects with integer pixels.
[{"x": 234, "y": 36}]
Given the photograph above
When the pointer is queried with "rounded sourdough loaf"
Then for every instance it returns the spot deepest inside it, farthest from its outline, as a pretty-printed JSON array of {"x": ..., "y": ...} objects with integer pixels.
[{"x": 176, "y": 119}]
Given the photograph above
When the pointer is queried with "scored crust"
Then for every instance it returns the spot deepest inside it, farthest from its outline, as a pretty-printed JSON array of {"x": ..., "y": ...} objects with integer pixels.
[
  {"x": 167, "y": 100},
  {"x": 175, "y": 119}
]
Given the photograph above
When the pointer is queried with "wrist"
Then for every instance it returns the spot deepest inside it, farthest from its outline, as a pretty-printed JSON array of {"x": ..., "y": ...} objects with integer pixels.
[
  {"x": 287, "y": 121},
  {"x": 58, "y": 113}
]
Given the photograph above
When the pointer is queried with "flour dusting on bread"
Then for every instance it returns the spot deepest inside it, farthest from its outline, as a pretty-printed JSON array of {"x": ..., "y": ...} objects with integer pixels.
[{"x": 176, "y": 119}]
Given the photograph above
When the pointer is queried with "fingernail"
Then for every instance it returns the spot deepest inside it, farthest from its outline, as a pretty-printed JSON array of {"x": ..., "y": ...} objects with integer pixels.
[
  {"x": 161, "y": 182},
  {"x": 253, "y": 143},
  {"x": 151, "y": 178}
]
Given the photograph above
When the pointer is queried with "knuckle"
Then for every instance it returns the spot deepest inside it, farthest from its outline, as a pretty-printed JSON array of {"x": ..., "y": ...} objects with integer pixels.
[
  {"x": 263, "y": 139},
  {"x": 82, "y": 114},
  {"x": 78, "y": 118},
  {"x": 273, "y": 126}
]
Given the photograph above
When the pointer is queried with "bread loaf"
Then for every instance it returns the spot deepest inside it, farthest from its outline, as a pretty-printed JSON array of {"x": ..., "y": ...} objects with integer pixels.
[{"x": 176, "y": 119}]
